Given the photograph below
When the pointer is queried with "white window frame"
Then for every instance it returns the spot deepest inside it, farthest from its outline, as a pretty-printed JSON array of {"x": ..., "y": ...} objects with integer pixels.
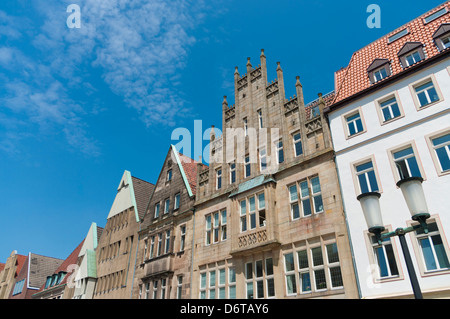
[
  {"x": 218, "y": 178},
  {"x": 182, "y": 237},
  {"x": 412, "y": 87},
  {"x": 157, "y": 209},
  {"x": 295, "y": 141},
  {"x": 352, "y": 122},
  {"x": 232, "y": 172},
  {"x": 399, "y": 148},
  {"x": 166, "y": 205},
  {"x": 380, "y": 108},
  {"x": 177, "y": 201},
  {"x": 260, "y": 119},
  {"x": 437, "y": 163}
]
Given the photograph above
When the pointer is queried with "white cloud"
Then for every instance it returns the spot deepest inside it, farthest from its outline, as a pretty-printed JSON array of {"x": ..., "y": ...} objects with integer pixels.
[{"x": 139, "y": 47}]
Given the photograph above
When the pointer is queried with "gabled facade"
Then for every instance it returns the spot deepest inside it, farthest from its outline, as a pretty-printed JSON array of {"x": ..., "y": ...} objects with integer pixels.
[
  {"x": 164, "y": 259},
  {"x": 33, "y": 275},
  {"x": 390, "y": 129},
  {"x": 9, "y": 273},
  {"x": 56, "y": 283},
  {"x": 81, "y": 277},
  {"x": 269, "y": 221},
  {"x": 117, "y": 247}
]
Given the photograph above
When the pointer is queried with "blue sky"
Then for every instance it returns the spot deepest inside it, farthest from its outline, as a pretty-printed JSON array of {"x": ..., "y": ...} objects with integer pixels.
[{"x": 80, "y": 106}]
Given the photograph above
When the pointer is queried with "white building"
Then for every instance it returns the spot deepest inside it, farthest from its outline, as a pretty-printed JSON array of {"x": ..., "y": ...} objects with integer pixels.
[{"x": 391, "y": 119}]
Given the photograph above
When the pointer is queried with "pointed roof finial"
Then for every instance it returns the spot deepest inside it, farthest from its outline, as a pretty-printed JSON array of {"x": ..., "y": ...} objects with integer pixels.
[
  {"x": 225, "y": 100},
  {"x": 262, "y": 52},
  {"x": 297, "y": 83},
  {"x": 278, "y": 66},
  {"x": 248, "y": 62},
  {"x": 236, "y": 70}
]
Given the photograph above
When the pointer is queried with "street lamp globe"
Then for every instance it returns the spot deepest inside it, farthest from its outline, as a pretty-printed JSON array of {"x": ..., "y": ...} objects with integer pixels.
[
  {"x": 414, "y": 196},
  {"x": 370, "y": 204}
]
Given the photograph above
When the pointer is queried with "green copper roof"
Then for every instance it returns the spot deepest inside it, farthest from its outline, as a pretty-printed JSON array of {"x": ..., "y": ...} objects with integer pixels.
[{"x": 254, "y": 182}]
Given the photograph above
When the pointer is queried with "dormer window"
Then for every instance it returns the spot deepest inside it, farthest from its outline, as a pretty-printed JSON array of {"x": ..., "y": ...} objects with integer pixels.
[
  {"x": 442, "y": 36},
  {"x": 378, "y": 70},
  {"x": 411, "y": 53}
]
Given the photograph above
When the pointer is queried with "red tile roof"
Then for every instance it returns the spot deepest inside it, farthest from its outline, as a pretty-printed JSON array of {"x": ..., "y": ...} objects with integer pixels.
[
  {"x": 354, "y": 78},
  {"x": 190, "y": 169},
  {"x": 2, "y": 266},
  {"x": 71, "y": 260},
  {"x": 20, "y": 262}
]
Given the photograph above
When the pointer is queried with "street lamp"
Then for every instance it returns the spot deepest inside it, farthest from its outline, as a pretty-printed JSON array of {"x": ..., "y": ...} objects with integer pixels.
[{"x": 412, "y": 191}]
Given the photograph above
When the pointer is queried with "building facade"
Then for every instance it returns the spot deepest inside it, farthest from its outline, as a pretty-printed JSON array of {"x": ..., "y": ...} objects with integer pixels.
[
  {"x": 9, "y": 273},
  {"x": 56, "y": 283},
  {"x": 117, "y": 246},
  {"x": 164, "y": 260},
  {"x": 33, "y": 275},
  {"x": 269, "y": 221},
  {"x": 390, "y": 120}
]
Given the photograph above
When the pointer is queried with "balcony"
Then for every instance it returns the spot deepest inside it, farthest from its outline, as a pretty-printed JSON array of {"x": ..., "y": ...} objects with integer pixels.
[
  {"x": 252, "y": 240},
  {"x": 158, "y": 265}
]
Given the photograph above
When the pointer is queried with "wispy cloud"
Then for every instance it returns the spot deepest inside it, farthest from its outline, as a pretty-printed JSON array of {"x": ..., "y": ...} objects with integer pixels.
[{"x": 138, "y": 47}]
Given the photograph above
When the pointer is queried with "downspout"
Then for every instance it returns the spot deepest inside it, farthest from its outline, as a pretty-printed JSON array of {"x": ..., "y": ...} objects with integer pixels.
[
  {"x": 192, "y": 253},
  {"x": 348, "y": 232}
]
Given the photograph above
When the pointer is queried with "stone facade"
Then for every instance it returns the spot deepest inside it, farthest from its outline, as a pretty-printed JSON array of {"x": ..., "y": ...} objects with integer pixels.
[
  {"x": 258, "y": 226},
  {"x": 9, "y": 273},
  {"x": 118, "y": 244},
  {"x": 163, "y": 267}
]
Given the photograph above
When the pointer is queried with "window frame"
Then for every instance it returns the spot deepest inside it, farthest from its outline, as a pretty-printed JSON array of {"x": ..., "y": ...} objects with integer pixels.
[
  {"x": 219, "y": 178},
  {"x": 414, "y": 85},
  {"x": 362, "y": 161},
  {"x": 300, "y": 198},
  {"x": 401, "y": 147},
  {"x": 432, "y": 148},
  {"x": 418, "y": 251},
  {"x": 345, "y": 122},
  {"x": 177, "y": 201},
  {"x": 378, "y": 102},
  {"x": 294, "y": 143}
]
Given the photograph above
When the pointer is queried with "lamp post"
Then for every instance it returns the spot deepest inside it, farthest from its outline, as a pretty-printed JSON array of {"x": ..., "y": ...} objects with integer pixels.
[{"x": 412, "y": 191}]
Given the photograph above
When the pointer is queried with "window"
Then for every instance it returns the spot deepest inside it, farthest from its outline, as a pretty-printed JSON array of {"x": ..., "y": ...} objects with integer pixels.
[
  {"x": 260, "y": 119},
  {"x": 167, "y": 245},
  {"x": 280, "y": 153},
  {"x": 145, "y": 250},
  {"x": 152, "y": 246},
  {"x": 445, "y": 40},
  {"x": 157, "y": 205},
  {"x": 177, "y": 201},
  {"x": 366, "y": 177},
  {"x": 384, "y": 258},
  {"x": 406, "y": 163},
  {"x": 334, "y": 267},
  {"x": 441, "y": 152},
  {"x": 398, "y": 35},
  {"x": 203, "y": 285},
  {"x": 216, "y": 280},
  {"x": 306, "y": 198},
  {"x": 298, "y": 150},
  {"x": 208, "y": 230},
  {"x": 212, "y": 284},
  {"x": 182, "y": 237},
  {"x": 303, "y": 271},
  {"x": 248, "y": 280},
  {"x": 169, "y": 175},
  {"x": 432, "y": 248},
  {"x": 166, "y": 205},
  {"x": 426, "y": 93},
  {"x": 259, "y": 279},
  {"x": 412, "y": 58},
  {"x": 263, "y": 159},
  {"x": 158, "y": 252},
  {"x": 252, "y": 214},
  {"x": 435, "y": 15},
  {"x": 354, "y": 124},
  {"x": 231, "y": 283},
  {"x": 216, "y": 227},
  {"x": 155, "y": 289},
  {"x": 232, "y": 173},
  {"x": 247, "y": 166},
  {"x": 379, "y": 74},
  {"x": 389, "y": 109},
  {"x": 18, "y": 287},
  {"x": 219, "y": 178},
  {"x": 179, "y": 287},
  {"x": 315, "y": 111},
  {"x": 243, "y": 215},
  {"x": 289, "y": 270}
]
